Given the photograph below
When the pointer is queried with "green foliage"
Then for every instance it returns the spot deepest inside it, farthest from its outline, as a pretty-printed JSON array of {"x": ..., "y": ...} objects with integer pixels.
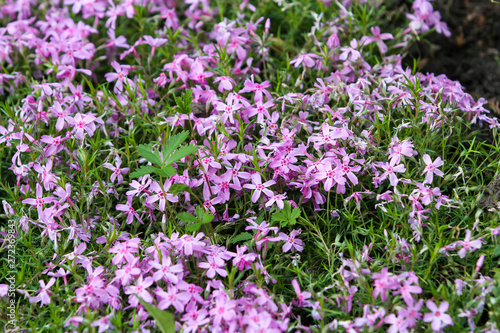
[
  {"x": 172, "y": 152},
  {"x": 184, "y": 102},
  {"x": 195, "y": 222},
  {"x": 286, "y": 216},
  {"x": 164, "y": 319}
]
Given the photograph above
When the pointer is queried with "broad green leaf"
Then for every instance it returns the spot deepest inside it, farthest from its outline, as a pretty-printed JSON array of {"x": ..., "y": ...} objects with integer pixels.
[
  {"x": 164, "y": 319},
  {"x": 187, "y": 217},
  {"x": 199, "y": 211},
  {"x": 241, "y": 237},
  {"x": 193, "y": 227},
  {"x": 173, "y": 143},
  {"x": 180, "y": 153},
  {"x": 179, "y": 188},
  {"x": 146, "y": 152},
  {"x": 208, "y": 217},
  {"x": 167, "y": 171},
  {"x": 496, "y": 252},
  {"x": 144, "y": 170},
  {"x": 187, "y": 98}
]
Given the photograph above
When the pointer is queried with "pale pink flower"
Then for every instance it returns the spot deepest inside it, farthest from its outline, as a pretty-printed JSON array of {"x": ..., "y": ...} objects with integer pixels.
[
  {"x": 438, "y": 315},
  {"x": 43, "y": 293},
  {"x": 306, "y": 59},
  {"x": 259, "y": 187},
  {"x": 431, "y": 168},
  {"x": 117, "y": 171},
  {"x": 302, "y": 296}
]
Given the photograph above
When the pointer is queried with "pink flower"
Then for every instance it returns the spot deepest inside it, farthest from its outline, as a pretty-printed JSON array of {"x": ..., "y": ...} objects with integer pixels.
[
  {"x": 127, "y": 272},
  {"x": 223, "y": 309},
  {"x": 278, "y": 199},
  {"x": 154, "y": 42},
  {"x": 229, "y": 108},
  {"x": 406, "y": 291},
  {"x": 172, "y": 298},
  {"x": 257, "y": 88},
  {"x": 160, "y": 196},
  {"x": 397, "y": 149},
  {"x": 302, "y": 296},
  {"x": 61, "y": 113},
  {"x": 398, "y": 323},
  {"x": 389, "y": 171},
  {"x": 140, "y": 290},
  {"x": 226, "y": 83},
  {"x": 188, "y": 243},
  {"x": 120, "y": 76},
  {"x": 292, "y": 242},
  {"x": 129, "y": 210},
  {"x": 331, "y": 176},
  {"x": 468, "y": 245},
  {"x": 241, "y": 260},
  {"x": 43, "y": 293},
  {"x": 306, "y": 59},
  {"x": 383, "y": 282},
  {"x": 39, "y": 201},
  {"x": 103, "y": 323},
  {"x": 166, "y": 270},
  {"x": 431, "y": 168},
  {"x": 263, "y": 228},
  {"x": 117, "y": 171},
  {"x": 259, "y": 187},
  {"x": 83, "y": 123},
  {"x": 261, "y": 110},
  {"x": 4, "y": 290},
  {"x": 213, "y": 268},
  {"x": 378, "y": 38},
  {"x": 350, "y": 52},
  {"x": 438, "y": 317}
]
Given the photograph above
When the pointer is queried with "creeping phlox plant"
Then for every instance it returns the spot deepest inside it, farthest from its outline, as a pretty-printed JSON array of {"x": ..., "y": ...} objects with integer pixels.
[{"x": 257, "y": 166}]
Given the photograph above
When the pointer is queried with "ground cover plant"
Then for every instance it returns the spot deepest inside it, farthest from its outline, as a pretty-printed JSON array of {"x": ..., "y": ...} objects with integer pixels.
[{"x": 263, "y": 166}]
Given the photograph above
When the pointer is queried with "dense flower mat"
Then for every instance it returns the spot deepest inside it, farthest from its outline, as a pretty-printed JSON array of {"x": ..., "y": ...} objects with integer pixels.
[{"x": 257, "y": 166}]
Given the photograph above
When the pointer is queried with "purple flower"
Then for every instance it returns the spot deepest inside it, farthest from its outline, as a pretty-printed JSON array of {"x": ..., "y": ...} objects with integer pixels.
[
  {"x": 117, "y": 171},
  {"x": 438, "y": 315},
  {"x": 306, "y": 59},
  {"x": 43, "y": 293},
  {"x": 83, "y": 123},
  {"x": 431, "y": 168},
  {"x": 213, "y": 268},
  {"x": 40, "y": 200},
  {"x": 129, "y": 211},
  {"x": 292, "y": 242},
  {"x": 259, "y": 187}
]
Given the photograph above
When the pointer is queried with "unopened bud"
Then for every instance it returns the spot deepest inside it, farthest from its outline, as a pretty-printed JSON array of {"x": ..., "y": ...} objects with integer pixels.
[{"x": 267, "y": 26}]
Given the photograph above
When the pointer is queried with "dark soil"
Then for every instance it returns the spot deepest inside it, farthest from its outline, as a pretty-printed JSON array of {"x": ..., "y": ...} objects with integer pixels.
[{"x": 472, "y": 54}]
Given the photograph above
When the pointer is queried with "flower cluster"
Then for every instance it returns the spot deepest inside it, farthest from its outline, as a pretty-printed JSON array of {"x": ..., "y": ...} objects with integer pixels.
[{"x": 249, "y": 232}]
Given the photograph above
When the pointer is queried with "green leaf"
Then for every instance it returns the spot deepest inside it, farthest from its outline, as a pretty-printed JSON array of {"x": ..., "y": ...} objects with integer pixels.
[
  {"x": 164, "y": 319},
  {"x": 193, "y": 227},
  {"x": 179, "y": 188},
  {"x": 153, "y": 157},
  {"x": 187, "y": 98},
  {"x": 144, "y": 170},
  {"x": 173, "y": 143},
  {"x": 167, "y": 171},
  {"x": 199, "y": 211},
  {"x": 295, "y": 215},
  {"x": 286, "y": 215},
  {"x": 208, "y": 217},
  {"x": 180, "y": 153},
  {"x": 241, "y": 237},
  {"x": 188, "y": 218},
  {"x": 496, "y": 252}
]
